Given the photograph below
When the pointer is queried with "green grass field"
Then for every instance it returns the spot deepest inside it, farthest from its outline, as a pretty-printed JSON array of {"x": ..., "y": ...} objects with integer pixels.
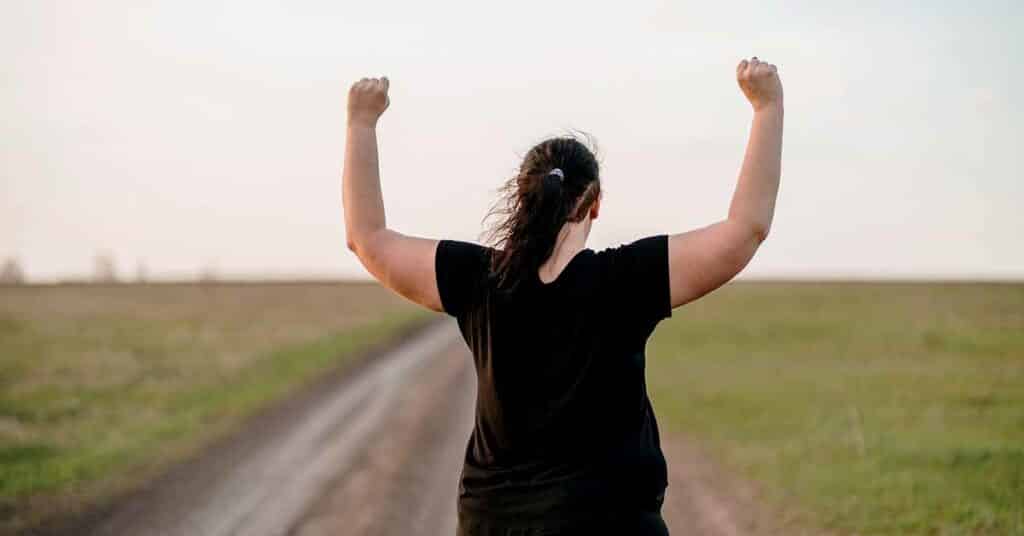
[
  {"x": 102, "y": 386},
  {"x": 878, "y": 408}
]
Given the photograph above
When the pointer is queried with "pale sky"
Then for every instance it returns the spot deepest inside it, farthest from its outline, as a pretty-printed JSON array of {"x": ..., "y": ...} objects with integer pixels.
[{"x": 193, "y": 135}]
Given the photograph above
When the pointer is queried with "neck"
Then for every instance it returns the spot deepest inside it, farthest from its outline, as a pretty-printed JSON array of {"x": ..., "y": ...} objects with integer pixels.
[{"x": 572, "y": 238}]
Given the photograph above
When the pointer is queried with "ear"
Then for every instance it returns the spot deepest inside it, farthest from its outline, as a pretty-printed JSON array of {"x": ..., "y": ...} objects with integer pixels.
[{"x": 595, "y": 208}]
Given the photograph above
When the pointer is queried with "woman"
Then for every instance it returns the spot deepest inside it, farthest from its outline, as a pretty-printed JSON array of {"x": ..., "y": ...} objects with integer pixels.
[{"x": 565, "y": 440}]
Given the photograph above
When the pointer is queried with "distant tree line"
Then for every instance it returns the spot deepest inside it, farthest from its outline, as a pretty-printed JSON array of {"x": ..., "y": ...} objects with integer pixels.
[
  {"x": 12, "y": 274},
  {"x": 104, "y": 271}
]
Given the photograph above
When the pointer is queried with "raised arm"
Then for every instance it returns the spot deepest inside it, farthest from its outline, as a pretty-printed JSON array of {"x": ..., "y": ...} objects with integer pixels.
[
  {"x": 402, "y": 263},
  {"x": 704, "y": 259}
]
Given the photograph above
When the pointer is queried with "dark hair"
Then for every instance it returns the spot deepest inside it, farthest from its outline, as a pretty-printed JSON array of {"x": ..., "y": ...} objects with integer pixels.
[{"x": 535, "y": 204}]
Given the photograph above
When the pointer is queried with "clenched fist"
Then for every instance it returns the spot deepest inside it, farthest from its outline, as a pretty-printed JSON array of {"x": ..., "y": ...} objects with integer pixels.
[
  {"x": 760, "y": 83},
  {"x": 367, "y": 100}
]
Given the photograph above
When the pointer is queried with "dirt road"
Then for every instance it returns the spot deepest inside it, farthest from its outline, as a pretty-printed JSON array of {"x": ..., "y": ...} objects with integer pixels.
[{"x": 377, "y": 453}]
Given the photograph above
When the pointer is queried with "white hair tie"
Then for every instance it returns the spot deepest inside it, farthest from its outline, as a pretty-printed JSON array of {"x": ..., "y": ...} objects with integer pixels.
[{"x": 557, "y": 171}]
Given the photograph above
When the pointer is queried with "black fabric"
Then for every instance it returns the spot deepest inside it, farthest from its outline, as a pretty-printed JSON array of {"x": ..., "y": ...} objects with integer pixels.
[
  {"x": 636, "y": 524},
  {"x": 564, "y": 429}
]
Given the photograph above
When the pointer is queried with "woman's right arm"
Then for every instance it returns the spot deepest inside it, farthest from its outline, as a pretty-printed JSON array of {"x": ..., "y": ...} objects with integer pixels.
[{"x": 704, "y": 259}]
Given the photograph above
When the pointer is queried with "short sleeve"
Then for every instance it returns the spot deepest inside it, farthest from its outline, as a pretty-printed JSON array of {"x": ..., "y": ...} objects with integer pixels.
[
  {"x": 459, "y": 267},
  {"x": 637, "y": 281}
]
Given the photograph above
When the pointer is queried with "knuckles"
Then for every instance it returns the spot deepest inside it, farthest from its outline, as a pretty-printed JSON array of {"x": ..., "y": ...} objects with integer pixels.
[
  {"x": 747, "y": 69},
  {"x": 764, "y": 70},
  {"x": 366, "y": 86}
]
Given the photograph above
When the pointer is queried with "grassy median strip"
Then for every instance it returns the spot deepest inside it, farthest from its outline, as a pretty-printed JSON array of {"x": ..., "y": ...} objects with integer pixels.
[
  {"x": 881, "y": 408},
  {"x": 104, "y": 386}
]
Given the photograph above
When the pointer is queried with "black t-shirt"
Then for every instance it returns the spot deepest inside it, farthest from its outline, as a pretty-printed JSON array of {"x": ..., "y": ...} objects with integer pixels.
[{"x": 564, "y": 429}]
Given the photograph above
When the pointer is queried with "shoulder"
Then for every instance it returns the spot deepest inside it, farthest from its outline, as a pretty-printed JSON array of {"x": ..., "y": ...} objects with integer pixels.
[
  {"x": 461, "y": 268},
  {"x": 636, "y": 275},
  {"x": 648, "y": 249},
  {"x": 461, "y": 254}
]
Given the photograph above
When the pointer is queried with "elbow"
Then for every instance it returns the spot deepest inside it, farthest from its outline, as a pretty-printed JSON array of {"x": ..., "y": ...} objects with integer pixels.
[
  {"x": 359, "y": 242},
  {"x": 760, "y": 231},
  {"x": 752, "y": 230},
  {"x": 356, "y": 243}
]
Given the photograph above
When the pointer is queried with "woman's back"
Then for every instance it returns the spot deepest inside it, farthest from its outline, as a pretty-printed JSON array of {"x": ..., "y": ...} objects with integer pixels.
[{"x": 564, "y": 429}]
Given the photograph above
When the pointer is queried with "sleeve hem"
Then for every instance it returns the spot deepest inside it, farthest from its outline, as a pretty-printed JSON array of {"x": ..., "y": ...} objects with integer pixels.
[
  {"x": 442, "y": 290},
  {"x": 667, "y": 311}
]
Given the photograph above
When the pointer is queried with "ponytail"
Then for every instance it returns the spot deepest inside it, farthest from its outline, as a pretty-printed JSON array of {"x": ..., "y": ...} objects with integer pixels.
[{"x": 557, "y": 183}]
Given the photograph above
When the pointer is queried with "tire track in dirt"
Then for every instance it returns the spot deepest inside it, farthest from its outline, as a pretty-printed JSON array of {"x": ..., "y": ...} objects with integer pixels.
[
  {"x": 704, "y": 499},
  {"x": 406, "y": 480}
]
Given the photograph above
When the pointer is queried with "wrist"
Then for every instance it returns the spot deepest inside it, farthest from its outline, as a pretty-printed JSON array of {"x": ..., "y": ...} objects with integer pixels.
[
  {"x": 362, "y": 122},
  {"x": 774, "y": 106}
]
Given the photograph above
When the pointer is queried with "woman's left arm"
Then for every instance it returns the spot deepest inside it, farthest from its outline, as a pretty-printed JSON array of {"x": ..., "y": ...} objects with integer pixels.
[{"x": 405, "y": 264}]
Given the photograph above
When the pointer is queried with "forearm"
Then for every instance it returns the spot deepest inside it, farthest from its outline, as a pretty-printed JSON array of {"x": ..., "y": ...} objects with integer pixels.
[
  {"x": 753, "y": 203},
  {"x": 361, "y": 192}
]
